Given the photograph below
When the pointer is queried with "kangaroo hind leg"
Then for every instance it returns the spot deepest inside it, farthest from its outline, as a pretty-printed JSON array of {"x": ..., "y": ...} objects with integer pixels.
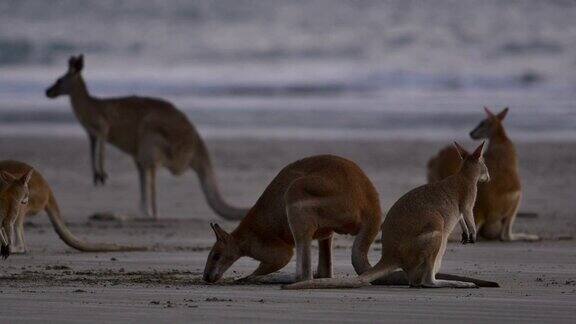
[
  {"x": 324, "y": 258},
  {"x": 147, "y": 177},
  {"x": 430, "y": 281},
  {"x": 507, "y": 224},
  {"x": 302, "y": 207},
  {"x": 426, "y": 273}
]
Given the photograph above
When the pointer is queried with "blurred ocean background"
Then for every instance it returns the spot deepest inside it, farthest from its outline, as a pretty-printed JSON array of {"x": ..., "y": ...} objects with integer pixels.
[{"x": 300, "y": 69}]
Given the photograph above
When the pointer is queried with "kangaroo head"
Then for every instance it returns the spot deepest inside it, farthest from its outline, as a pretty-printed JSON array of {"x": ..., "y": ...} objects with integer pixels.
[
  {"x": 474, "y": 161},
  {"x": 13, "y": 195},
  {"x": 223, "y": 254},
  {"x": 487, "y": 126},
  {"x": 63, "y": 85}
]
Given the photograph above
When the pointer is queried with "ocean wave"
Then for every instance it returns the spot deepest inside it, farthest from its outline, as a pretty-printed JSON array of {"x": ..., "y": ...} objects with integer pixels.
[{"x": 450, "y": 38}]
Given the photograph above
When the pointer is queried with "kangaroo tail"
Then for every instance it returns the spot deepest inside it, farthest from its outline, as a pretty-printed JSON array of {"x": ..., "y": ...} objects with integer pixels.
[
  {"x": 379, "y": 270},
  {"x": 478, "y": 282},
  {"x": 361, "y": 246},
  {"x": 64, "y": 233},
  {"x": 399, "y": 278},
  {"x": 203, "y": 166}
]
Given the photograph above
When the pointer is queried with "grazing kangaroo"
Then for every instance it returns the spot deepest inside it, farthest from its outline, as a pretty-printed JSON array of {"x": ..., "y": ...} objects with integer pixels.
[
  {"x": 23, "y": 193},
  {"x": 416, "y": 229},
  {"x": 150, "y": 130},
  {"x": 309, "y": 199},
  {"x": 497, "y": 204}
]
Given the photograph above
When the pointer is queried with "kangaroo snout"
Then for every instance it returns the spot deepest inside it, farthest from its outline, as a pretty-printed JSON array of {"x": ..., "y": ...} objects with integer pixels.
[
  {"x": 50, "y": 93},
  {"x": 210, "y": 278},
  {"x": 473, "y": 135}
]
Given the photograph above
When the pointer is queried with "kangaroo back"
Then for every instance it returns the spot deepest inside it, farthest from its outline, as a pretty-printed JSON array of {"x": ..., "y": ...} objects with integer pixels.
[{"x": 446, "y": 163}]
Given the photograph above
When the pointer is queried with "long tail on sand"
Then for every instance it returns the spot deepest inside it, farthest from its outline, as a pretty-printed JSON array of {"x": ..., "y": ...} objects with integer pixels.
[
  {"x": 203, "y": 166},
  {"x": 379, "y": 270},
  {"x": 327, "y": 283},
  {"x": 380, "y": 274},
  {"x": 64, "y": 233},
  {"x": 399, "y": 278}
]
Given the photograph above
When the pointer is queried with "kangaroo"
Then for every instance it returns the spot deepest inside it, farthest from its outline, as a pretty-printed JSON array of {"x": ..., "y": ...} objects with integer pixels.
[
  {"x": 150, "y": 130},
  {"x": 309, "y": 199},
  {"x": 497, "y": 204},
  {"x": 23, "y": 193},
  {"x": 416, "y": 229}
]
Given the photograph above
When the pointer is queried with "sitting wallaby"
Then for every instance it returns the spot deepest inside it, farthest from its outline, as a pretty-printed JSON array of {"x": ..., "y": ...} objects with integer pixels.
[
  {"x": 309, "y": 199},
  {"x": 23, "y": 193},
  {"x": 150, "y": 130},
  {"x": 497, "y": 203},
  {"x": 416, "y": 229}
]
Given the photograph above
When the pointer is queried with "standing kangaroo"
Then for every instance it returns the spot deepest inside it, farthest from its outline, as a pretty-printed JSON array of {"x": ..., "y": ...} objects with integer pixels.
[
  {"x": 309, "y": 199},
  {"x": 416, "y": 229},
  {"x": 497, "y": 204},
  {"x": 23, "y": 193},
  {"x": 150, "y": 130}
]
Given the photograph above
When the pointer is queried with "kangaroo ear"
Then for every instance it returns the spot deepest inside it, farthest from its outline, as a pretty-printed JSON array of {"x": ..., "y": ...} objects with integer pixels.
[
  {"x": 71, "y": 62},
  {"x": 79, "y": 62},
  {"x": 76, "y": 64},
  {"x": 221, "y": 234},
  {"x": 488, "y": 112},
  {"x": 461, "y": 151},
  {"x": 7, "y": 177},
  {"x": 26, "y": 178},
  {"x": 501, "y": 115},
  {"x": 478, "y": 152}
]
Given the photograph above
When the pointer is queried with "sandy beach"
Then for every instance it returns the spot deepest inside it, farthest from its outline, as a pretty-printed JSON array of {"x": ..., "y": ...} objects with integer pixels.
[
  {"x": 54, "y": 282},
  {"x": 386, "y": 84}
]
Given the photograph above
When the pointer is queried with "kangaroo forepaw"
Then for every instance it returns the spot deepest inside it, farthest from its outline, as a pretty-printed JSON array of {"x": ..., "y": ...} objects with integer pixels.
[
  {"x": 100, "y": 178},
  {"x": 468, "y": 238},
  {"x": 4, "y": 251}
]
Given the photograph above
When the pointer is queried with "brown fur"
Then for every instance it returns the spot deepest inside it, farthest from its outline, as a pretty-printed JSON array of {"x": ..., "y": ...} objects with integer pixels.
[
  {"x": 150, "y": 130},
  {"x": 309, "y": 199},
  {"x": 498, "y": 200},
  {"x": 416, "y": 229},
  {"x": 21, "y": 198}
]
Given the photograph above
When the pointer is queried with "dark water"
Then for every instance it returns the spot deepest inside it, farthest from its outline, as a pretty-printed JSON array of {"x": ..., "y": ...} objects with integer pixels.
[{"x": 324, "y": 68}]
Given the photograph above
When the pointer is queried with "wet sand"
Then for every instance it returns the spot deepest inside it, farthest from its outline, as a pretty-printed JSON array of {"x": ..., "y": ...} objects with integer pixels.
[{"x": 55, "y": 282}]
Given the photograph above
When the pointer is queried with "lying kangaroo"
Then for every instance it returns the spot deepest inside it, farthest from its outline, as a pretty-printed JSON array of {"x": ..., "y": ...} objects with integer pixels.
[
  {"x": 497, "y": 204},
  {"x": 309, "y": 199},
  {"x": 23, "y": 193},
  {"x": 416, "y": 229},
  {"x": 151, "y": 130}
]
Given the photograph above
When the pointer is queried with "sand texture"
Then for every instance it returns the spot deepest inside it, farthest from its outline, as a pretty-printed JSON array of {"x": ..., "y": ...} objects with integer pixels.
[{"x": 54, "y": 282}]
